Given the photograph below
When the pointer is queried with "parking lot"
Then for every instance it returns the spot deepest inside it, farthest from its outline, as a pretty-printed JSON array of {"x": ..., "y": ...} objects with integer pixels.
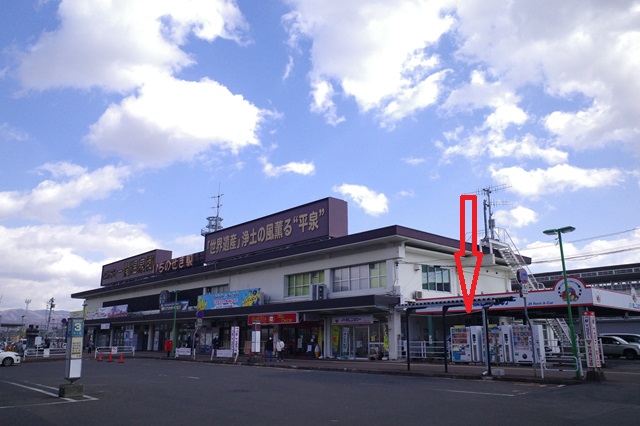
[{"x": 157, "y": 391}]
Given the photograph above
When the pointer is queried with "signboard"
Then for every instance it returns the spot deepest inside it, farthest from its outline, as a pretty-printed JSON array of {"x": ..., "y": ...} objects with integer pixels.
[
  {"x": 183, "y": 352},
  {"x": 352, "y": 319},
  {"x": 230, "y": 299},
  {"x": 133, "y": 267},
  {"x": 75, "y": 335},
  {"x": 119, "y": 311},
  {"x": 323, "y": 218},
  {"x": 285, "y": 318},
  {"x": 180, "y": 305},
  {"x": 235, "y": 339},
  {"x": 592, "y": 347}
]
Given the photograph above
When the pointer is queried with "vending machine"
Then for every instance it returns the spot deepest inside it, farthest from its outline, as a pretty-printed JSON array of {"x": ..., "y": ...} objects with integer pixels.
[
  {"x": 477, "y": 337},
  {"x": 523, "y": 343},
  {"x": 500, "y": 344},
  {"x": 460, "y": 344},
  {"x": 506, "y": 336}
]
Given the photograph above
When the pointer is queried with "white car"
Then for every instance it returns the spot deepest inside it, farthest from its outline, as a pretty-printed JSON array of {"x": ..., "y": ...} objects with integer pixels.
[{"x": 8, "y": 358}]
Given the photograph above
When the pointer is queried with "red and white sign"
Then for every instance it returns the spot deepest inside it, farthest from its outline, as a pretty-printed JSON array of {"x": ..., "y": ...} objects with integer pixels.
[{"x": 591, "y": 340}]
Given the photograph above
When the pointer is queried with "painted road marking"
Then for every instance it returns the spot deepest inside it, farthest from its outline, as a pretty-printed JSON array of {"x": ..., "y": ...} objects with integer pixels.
[{"x": 52, "y": 394}]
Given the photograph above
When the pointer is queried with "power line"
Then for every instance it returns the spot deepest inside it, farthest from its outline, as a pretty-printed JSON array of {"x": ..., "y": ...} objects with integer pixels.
[
  {"x": 584, "y": 256},
  {"x": 541, "y": 246}
]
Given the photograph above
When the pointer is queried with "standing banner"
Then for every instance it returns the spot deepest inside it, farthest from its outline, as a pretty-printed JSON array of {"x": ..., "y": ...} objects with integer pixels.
[{"x": 592, "y": 347}]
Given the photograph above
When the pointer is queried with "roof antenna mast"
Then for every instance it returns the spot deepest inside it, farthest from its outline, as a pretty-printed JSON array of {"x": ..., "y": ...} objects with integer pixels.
[
  {"x": 487, "y": 204},
  {"x": 214, "y": 223}
]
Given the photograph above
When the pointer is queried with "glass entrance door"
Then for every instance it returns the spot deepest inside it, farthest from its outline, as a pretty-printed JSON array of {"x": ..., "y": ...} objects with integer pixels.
[{"x": 361, "y": 335}]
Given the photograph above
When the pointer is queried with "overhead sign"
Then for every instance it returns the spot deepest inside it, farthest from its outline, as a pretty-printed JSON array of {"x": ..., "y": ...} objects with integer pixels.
[
  {"x": 352, "y": 320},
  {"x": 323, "y": 218},
  {"x": 283, "y": 318},
  {"x": 230, "y": 299},
  {"x": 133, "y": 267}
]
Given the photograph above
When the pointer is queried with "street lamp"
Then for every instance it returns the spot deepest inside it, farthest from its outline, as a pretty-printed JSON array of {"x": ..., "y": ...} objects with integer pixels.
[
  {"x": 175, "y": 330},
  {"x": 559, "y": 233}
]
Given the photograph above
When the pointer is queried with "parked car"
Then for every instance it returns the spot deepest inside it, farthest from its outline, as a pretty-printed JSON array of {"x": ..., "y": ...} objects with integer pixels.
[
  {"x": 615, "y": 347},
  {"x": 8, "y": 358},
  {"x": 629, "y": 337}
]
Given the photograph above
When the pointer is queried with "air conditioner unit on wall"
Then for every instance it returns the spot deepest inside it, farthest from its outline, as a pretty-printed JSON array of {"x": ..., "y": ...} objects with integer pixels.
[
  {"x": 417, "y": 294},
  {"x": 317, "y": 292}
]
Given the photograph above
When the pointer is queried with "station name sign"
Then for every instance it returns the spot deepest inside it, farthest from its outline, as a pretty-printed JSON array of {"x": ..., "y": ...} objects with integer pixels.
[
  {"x": 141, "y": 265},
  {"x": 133, "y": 267},
  {"x": 323, "y": 218}
]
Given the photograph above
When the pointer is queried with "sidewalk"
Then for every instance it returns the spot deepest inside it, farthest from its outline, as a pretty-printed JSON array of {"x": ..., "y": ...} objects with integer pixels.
[{"x": 399, "y": 367}]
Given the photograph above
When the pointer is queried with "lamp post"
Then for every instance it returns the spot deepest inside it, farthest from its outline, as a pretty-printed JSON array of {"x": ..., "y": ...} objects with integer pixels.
[
  {"x": 559, "y": 232},
  {"x": 175, "y": 330}
]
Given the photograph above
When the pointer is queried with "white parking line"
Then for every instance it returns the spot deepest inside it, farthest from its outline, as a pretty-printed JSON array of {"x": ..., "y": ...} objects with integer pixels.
[
  {"x": 478, "y": 393},
  {"x": 60, "y": 400}
]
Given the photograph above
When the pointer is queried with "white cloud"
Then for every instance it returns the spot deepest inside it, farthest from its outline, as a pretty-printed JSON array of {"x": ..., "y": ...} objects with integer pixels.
[
  {"x": 69, "y": 259},
  {"x": 135, "y": 48},
  {"x": 568, "y": 51},
  {"x": 171, "y": 120},
  {"x": 619, "y": 250},
  {"x": 489, "y": 138},
  {"x": 515, "y": 218},
  {"x": 555, "y": 179},
  {"x": 414, "y": 161},
  {"x": 117, "y": 45},
  {"x": 50, "y": 198},
  {"x": 372, "y": 203},
  {"x": 375, "y": 51},
  {"x": 302, "y": 168},
  {"x": 407, "y": 193},
  {"x": 11, "y": 133},
  {"x": 322, "y": 94}
]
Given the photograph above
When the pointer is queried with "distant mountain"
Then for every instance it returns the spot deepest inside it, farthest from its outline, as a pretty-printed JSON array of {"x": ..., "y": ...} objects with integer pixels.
[{"x": 13, "y": 317}]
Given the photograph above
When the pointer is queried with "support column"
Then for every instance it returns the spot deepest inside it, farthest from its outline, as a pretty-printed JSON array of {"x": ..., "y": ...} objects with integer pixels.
[{"x": 395, "y": 330}]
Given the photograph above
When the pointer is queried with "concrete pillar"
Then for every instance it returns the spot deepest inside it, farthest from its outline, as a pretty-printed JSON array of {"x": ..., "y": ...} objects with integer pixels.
[
  {"x": 150, "y": 336},
  {"x": 395, "y": 330}
]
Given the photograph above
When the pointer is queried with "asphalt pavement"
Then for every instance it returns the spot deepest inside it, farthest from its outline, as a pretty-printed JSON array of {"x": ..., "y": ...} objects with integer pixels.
[{"x": 555, "y": 373}]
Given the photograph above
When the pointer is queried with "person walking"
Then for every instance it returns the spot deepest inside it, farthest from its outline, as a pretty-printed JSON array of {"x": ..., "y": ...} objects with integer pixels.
[
  {"x": 215, "y": 344},
  {"x": 268, "y": 349},
  {"x": 280, "y": 351}
]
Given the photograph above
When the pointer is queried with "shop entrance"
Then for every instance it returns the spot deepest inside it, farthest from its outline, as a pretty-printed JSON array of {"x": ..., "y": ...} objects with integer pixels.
[
  {"x": 358, "y": 341},
  {"x": 301, "y": 339}
]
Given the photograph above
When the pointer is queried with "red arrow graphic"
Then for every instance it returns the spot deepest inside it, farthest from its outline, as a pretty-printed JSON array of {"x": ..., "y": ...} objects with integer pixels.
[{"x": 468, "y": 295}]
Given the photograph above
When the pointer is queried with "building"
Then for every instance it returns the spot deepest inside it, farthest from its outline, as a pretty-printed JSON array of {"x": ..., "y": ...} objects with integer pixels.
[{"x": 298, "y": 273}]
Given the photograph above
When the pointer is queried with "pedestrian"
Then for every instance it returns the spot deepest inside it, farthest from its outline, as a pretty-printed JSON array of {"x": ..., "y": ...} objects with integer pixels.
[
  {"x": 89, "y": 347},
  {"x": 280, "y": 351},
  {"x": 268, "y": 349},
  {"x": 214, "y": 346}
]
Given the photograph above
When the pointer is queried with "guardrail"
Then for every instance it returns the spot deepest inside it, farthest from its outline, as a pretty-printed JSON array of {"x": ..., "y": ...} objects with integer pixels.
[
  {"x": 43, "y": 353},
  {"x": 114, "y": 350}
]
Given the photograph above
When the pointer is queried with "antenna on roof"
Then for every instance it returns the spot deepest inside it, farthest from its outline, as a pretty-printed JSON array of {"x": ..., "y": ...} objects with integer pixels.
[
  {"x": 489, "y": 222},
  {"x": 214, "y": 223}
]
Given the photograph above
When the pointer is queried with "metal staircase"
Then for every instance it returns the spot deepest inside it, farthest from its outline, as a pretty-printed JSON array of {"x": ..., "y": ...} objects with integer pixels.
[
  {"x": 515, "y": 261},
  {"x": 512, "y": 256}
]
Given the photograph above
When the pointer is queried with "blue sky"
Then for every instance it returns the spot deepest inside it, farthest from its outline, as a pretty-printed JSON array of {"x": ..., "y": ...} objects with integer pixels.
[{"x": 119, "y": 120}]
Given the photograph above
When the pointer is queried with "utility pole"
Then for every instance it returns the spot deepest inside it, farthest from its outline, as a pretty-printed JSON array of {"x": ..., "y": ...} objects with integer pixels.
[
  {"x": 26, "y": 311},
  {"x": 50, "y": 305}
]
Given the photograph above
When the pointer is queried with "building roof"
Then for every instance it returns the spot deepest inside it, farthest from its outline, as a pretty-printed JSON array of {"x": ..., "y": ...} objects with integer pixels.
[{"x": 409, "y": 237}]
